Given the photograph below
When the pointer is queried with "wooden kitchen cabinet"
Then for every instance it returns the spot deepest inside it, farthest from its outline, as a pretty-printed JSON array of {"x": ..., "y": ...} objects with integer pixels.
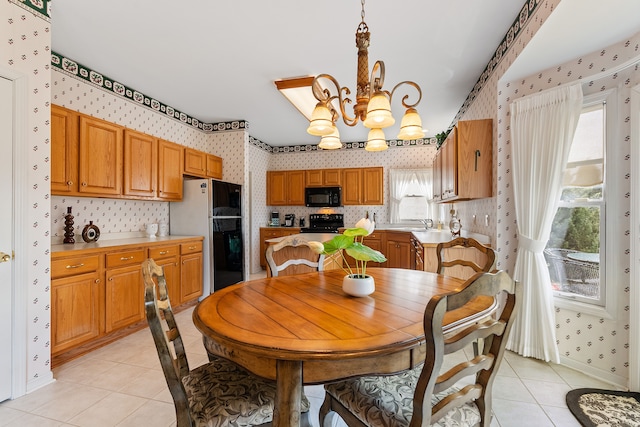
[
  {"x": 195, "y": 162},
  {"x": 124, "y": 289},
  {"x": 64, "y": 150},
  {"x": 398, "y": 250},
  {"x": 267, "y": 233},
  {"x": 94, "y": 158},
  {"x": 214, "y": 166},
  {"x": 362, "y": 186},
  {"x": 285, "y": 188},
  {"x": 203, "y": 165},
  {"x": 100, "y": 157},
  {"x": 168, "y": 257},
  {"x": 75, "y": 301},
  {"x": 140, "y": 164},
  {"x": 323, "y": 177},
  {"x": 170, "y": 158},
  {"x": 190, "y": 271},
  {"x": 437, "y": 177},
  {"x": 463, "y": 167},
  {"x": 97, "y": 292}
]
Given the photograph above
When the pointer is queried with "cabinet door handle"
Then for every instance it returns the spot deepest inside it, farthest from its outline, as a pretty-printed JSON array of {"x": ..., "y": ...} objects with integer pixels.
[
  {"x": 76, "y": 265},
  {"x": 477, "y": 155},
  {"x": 126, "y": 258},
  {"x": 191, "y": 248},
  {"x": 84, "y": 184},
  {"x": 97, "y": 280},
  {"x": 69, "y": 183},
  {"x": 164, "y": 252}
]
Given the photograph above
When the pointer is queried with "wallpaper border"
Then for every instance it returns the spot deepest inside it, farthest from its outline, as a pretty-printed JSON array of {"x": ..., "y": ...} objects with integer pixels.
[
  {"x": 75, "y": 69},
  {"x": 40, "y": 7}
]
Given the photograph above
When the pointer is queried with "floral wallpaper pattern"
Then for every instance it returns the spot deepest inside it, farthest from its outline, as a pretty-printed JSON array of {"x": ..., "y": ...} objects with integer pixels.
[{"x": 599, "y": 346}]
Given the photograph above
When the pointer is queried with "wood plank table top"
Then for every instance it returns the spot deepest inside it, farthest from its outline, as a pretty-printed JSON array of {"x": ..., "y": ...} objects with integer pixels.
[{"x": 304, "y": 329}]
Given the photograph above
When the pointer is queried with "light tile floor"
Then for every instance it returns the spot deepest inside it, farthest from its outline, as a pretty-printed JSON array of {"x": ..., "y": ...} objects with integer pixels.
[{"x": 122, "y": 385}]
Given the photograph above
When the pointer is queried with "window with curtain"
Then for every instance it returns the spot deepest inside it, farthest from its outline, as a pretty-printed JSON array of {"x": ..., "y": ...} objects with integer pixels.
[
  {"x": 575, "y": 252},
  {"x": 410, "y": 192}
]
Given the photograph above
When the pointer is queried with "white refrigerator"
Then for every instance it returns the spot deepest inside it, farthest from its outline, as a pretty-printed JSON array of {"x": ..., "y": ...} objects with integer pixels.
[{"x": 213, "y": 209}]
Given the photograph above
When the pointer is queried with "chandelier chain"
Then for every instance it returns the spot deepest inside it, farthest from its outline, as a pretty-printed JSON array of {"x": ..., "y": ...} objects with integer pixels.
[{"x": 362, "y": 13}]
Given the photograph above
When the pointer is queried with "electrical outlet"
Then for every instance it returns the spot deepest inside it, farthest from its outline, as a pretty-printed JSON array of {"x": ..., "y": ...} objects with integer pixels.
[
  {"x": 486, "y": 220},
  {"x": 474, "y": 219}
]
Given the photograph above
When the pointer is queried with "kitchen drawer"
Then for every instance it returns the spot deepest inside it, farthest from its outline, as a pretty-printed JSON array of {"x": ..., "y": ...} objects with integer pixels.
[
  {"x": 118, "y": 259},
  {"x": 164, "y": 251},
  {"x": 190, "y": 248},
  {"x": 72, "y": 266}
]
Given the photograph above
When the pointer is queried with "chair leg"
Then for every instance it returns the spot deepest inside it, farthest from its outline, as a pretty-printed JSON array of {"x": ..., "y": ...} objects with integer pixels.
[{"x": 325, "y": 410}]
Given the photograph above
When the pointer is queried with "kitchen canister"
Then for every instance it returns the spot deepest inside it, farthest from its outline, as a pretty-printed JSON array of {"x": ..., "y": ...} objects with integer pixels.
[
  {"x": 152, "y": 229},
  {"x": 163, "y": 229}
]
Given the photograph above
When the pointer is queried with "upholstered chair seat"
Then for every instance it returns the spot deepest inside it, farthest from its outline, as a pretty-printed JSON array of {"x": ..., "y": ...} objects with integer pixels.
[{"x": 388, "y": 401}]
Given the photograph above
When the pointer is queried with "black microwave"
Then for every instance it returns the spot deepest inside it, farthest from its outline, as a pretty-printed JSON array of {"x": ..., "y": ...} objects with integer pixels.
[{"x": 323, "y": 197}]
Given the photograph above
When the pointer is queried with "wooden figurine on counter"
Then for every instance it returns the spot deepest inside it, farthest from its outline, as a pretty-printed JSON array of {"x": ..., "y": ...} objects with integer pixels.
[{"x": 68, "y": 227}]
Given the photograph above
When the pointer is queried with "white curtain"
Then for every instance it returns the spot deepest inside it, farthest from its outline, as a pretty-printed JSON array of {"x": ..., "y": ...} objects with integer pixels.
[
  {"x": 542, "y": 129},
  {"x": 399, "y": 184}
]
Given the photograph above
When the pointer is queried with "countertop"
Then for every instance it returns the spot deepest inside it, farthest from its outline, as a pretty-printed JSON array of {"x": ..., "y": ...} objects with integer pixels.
[
  {"x": 109, "y": 243},
  {"x": 426, "y": 237}
]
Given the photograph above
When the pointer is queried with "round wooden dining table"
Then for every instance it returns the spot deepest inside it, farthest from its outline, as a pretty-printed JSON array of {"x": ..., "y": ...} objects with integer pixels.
[{"x": 304, "y": 329}]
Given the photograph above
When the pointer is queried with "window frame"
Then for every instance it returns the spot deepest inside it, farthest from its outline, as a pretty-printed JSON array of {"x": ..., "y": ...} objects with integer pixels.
[{"x": 610, "y": 208}]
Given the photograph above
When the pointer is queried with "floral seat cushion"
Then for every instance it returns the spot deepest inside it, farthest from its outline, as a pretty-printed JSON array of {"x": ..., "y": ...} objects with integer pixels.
[
  {"x": 223, "y": 394},
  {"x": 388, "y": 400}
]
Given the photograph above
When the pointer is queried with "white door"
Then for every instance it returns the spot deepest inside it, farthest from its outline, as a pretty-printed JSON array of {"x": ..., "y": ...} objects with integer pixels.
[{"x": 6, "y": 236}]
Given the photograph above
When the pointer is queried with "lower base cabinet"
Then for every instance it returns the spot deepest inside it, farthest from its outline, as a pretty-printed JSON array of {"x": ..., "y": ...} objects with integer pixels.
[
  {"x": 190, "y": 274},
  {"x": 97, "y": 292},
  {"x": 124, "y": 302},
  {"x": 75, "y": 316}
]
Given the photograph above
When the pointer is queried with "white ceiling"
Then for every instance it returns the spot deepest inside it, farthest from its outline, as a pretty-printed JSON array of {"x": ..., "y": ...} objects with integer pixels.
[{"x": 217, "y": 60}]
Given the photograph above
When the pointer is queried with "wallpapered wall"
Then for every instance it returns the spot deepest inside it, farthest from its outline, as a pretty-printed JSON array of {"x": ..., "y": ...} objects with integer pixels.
[
  {"x": 27, "y": 41},
  {"x": 593, "y": 344}
]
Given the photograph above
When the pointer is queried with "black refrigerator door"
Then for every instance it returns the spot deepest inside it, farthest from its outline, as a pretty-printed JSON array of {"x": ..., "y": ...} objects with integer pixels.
[
  {"x": 227, "y": 198},
  {"x": 228, "y": 259}
]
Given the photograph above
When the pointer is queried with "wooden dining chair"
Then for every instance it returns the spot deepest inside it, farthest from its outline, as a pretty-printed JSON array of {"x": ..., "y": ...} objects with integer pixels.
[
  {"x": 219, "y": 393},
  {"x": 463, "y": 257},
  {"x": 292, "y": 255},
  {"x": 432, "y": 394}
]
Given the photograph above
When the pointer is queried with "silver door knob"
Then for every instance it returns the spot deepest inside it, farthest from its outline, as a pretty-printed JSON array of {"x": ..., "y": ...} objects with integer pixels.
[{"x": 4, "y": 257}]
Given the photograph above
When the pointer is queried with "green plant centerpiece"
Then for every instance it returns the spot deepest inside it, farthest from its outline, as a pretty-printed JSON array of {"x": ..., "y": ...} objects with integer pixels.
[{"x": 351, "y": 243}]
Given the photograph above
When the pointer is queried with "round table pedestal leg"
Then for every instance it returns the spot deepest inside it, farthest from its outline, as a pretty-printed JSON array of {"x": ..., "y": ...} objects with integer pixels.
[{"x": 288, "y": 393}]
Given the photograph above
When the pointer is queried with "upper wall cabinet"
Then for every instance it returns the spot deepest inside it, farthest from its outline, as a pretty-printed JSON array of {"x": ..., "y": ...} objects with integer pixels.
[
  {"x": 203, "y": 165},
  {"x": 324, "y": 177},
  {"x": 362, "y": 186},
  {"x": 285, "y": 188},
  {"x": 100, "y": 166},
  {"x": 463, "y": 166},
  {"x": 64, "y": 150},
  {"x": 170, "y": 160},
  {"x": 92, "y": 157},
  {"x": 140, "y": 164}
]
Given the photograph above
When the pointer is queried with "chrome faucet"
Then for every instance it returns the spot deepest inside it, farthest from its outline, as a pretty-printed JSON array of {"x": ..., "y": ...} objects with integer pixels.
[{"x": 428, "y": 223}]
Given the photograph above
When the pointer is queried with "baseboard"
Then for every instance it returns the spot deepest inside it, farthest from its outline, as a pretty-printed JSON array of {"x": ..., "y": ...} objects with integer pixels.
[{"x": 620, "y": 383}]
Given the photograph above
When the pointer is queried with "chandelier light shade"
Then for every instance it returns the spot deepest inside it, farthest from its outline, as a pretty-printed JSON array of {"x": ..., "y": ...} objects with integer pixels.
[
  {"x": 379, "y": 112},
  {"x": 376, "y": 141},
  {"x": 331, "y": 141},
  {"x": 321, "y": 123},
  {"x": 372, "y": 103},
  {"x": 411, "y": 126}
]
